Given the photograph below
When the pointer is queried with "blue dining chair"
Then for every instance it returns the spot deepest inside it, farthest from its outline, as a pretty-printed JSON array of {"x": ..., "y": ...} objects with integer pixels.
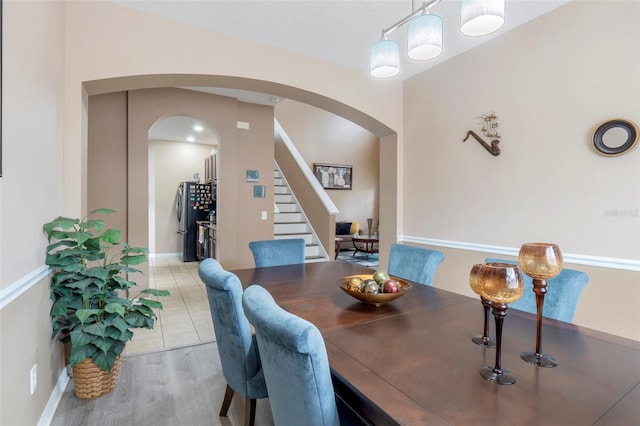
[
  {"x": 561, "y": 299},
  {"x": 417, "y": 264},
  {"x": 288, "y": 251},
  {"x": 237, "y": 346},
  {"x": 295, "y": 363}
]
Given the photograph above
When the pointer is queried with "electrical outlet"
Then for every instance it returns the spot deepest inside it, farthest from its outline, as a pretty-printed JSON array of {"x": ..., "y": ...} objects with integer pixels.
[
  {"x": 33, "y": 378},
  {"x": 264, "y": 216}
]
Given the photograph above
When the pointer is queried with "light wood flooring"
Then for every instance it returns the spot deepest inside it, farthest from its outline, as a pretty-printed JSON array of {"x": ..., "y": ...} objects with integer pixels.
[
  {"x": 170, "y": 375},
  {"x": 182, "y": 386}
]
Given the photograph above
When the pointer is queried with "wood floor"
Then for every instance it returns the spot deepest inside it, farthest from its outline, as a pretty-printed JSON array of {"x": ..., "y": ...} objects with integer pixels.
[{"x": 183, "y": 386}]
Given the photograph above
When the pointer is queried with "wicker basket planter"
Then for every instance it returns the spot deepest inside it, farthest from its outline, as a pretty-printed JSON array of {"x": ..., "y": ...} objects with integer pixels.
[{"x": 91, "y": 381}]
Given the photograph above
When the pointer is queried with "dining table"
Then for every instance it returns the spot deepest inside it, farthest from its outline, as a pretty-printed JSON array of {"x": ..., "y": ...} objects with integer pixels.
[{"x": 412, "y": 362}]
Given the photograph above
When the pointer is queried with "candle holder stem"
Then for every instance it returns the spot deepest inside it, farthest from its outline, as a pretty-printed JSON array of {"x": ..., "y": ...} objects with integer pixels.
[
  {"x": 485, "y": 339},
  {"x": 538, "y": 358},
  {"x": 496, "y": 374}
]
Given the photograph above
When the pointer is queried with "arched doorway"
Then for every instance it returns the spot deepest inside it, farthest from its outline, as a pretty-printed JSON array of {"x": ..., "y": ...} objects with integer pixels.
[{"x": 178, "y": 148}]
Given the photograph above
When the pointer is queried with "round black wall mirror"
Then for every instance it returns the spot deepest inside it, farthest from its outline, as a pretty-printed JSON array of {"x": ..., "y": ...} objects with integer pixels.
[{"x": 615, "y": 137}]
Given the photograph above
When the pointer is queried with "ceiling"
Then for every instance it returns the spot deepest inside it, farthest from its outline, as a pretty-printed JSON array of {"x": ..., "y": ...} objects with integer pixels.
[{"x": 336, "y": 31}]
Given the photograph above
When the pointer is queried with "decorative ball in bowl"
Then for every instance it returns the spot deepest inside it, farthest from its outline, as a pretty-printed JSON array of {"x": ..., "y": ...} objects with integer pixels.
[{"x": 375, "y": 289}]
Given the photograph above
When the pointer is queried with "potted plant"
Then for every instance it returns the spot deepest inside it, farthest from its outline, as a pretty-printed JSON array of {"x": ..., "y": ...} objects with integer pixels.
[{"x": 92, "y": 309}]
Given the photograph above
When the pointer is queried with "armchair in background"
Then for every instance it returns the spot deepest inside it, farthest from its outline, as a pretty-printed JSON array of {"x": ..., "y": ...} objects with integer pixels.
[
  {"x": 418, "y": 264},
  {"x": 287, "y": 251},
  {"x": 561, "y": 299}
]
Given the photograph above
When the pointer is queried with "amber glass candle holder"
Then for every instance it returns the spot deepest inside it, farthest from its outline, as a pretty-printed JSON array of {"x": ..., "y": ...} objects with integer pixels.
[
  {"x": 540, "y": 261},
  {"x": 474, "y": 283},
  {"x": 501, "y": 284}
]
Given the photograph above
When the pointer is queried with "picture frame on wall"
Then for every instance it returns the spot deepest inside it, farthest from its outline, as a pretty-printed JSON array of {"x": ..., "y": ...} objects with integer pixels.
[{"x": 333, "y": 176}]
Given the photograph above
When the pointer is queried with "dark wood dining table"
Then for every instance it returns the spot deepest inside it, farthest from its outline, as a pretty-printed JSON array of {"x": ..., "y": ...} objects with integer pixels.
[{"x": 412, "y": 361}]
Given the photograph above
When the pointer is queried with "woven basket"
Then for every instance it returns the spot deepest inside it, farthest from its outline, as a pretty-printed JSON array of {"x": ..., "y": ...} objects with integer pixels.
[{"x": 91, "y": 381}]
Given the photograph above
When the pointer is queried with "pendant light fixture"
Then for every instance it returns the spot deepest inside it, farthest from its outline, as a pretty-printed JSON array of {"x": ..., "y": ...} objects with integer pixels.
[
  {"x": 481, "y": 17},
  {"x": 384, "y": 59},
  {"x": 424, "y": 33},
  {"x": 424, "y": 37}
]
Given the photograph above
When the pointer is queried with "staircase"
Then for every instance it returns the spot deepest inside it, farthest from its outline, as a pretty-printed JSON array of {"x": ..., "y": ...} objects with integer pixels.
[{"x": 290, "y": 222}]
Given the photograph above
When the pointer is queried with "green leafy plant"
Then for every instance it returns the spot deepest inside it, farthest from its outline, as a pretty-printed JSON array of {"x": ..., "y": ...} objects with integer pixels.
[{"x": 90, "y": 288}]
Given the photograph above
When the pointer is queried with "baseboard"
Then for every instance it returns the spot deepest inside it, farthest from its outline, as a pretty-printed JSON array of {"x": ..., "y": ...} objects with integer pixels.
[
  {"x": 54, "y": 399},
  {"x": 164, "y": 255}
]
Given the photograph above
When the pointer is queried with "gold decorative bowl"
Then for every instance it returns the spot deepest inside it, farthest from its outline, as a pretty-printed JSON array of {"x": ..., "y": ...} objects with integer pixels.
[{"x": 371, "y": 298}]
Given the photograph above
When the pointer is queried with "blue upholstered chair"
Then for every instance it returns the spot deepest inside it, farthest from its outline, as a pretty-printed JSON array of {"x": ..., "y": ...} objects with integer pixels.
[
  {"x": 287, "y": 251},
  {"x": 417, "y": 264},
  {"x": 561, "y": 299},
  {"x": 236, "y": 345},
  {"x": 294, "y": 359}
]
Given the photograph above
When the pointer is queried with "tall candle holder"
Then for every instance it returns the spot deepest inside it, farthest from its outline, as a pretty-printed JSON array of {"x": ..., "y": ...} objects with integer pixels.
[
  {"x": 370, "y": 226},
  {"x": 540, "y": 261},
  {"x": 501, "y": 283},
  {"x": 474, "y": 283}
]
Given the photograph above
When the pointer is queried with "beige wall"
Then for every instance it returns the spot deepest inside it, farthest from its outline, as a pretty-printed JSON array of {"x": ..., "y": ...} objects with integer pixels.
[
  {"x": 107, "y": 181},
  {"x": 51, "y": 50},
  {"x": 170, "y": 55},
  {"x": 30, "y": 195},
  {"x": 549, "y": 94},
  {"x": 323, "y": 137},
  {"x": 254, "y": 152},
  {"x": 238, "y": 151}
]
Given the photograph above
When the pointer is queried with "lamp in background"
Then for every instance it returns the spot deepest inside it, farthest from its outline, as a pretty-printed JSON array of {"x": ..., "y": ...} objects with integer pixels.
[
  {"x": 424, "y": 33},
  {"x": 481, "y": 17}
]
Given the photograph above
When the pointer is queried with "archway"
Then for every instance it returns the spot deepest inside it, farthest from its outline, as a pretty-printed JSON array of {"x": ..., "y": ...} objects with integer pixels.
[{"x": 389, "y": 175}]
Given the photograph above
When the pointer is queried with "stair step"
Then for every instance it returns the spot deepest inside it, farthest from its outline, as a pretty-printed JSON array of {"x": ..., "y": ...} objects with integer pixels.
[
  {"x": 288, "y": 217},
  {"x": 307, "y": 237},
  {"x": 281, "y": 189},
  {"x": 288, "y": 208},
  {"x": 283, "y": 198},
  {"x": 287, "y": 228},
  {"x": 290, "y": 222}
]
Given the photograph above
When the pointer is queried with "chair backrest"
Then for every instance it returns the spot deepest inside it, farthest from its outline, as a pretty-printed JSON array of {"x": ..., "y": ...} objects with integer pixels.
[
  {"x": 288, "y": 251},
  {"x": 295, "y": 363},
  {"x": 237, "y": 347},
  {"x": 413, "y": 263},
  {"x": 561, "y": 299}
]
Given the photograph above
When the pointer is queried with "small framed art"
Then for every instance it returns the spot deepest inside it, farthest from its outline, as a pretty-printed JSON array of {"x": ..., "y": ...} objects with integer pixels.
[
  {"x": 258, "y": 191},
  {"x": 333, "y": 176},
  {"x": 253, "y": 176}
]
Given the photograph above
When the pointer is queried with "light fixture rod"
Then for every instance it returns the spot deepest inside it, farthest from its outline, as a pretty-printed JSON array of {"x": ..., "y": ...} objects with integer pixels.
[{"x": 407, "y": 18}]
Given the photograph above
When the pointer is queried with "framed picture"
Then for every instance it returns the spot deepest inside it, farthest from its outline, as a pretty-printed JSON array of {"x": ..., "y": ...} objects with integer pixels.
[
  {"x": 333, "y": 176},
  {"x": 258, "y": 191},
  {"x": 253, "y": 176}
]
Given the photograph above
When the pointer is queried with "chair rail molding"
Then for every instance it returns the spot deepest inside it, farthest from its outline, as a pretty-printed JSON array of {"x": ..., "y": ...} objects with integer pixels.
[
  {"x": 16, "y": 289},
  {"x": 579, "y": 259}
]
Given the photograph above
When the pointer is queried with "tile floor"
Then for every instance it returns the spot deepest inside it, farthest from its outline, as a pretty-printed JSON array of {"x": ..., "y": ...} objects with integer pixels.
[{"x": 185, "y": 319}]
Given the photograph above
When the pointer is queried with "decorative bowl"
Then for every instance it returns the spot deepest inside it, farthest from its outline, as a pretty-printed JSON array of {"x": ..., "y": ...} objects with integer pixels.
[{"x": 377, "y": 299}]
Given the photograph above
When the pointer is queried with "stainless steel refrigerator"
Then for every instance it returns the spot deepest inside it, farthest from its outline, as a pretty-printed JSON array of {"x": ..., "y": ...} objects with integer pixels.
[{"x": 193, "y": 203}]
